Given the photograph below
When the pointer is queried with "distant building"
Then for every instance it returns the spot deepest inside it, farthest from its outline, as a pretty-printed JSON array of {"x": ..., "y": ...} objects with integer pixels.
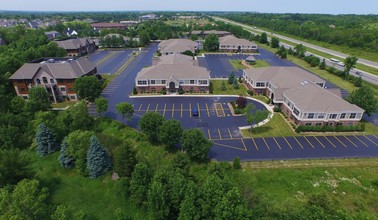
[
  {"x": 51, "y": 35},
  {"x": 70, "y": 32},
  {"x": 233, "y": 44},
  {"x": 204, "y": 34},
  {"x": 78, "y": 46},
  {"x": 126, "y": 39},
  {"x": 177, "y": 46},
  {"x": 301, "y": 96},
  {"x": 173, "y": 73},
  {"x": 56, "y": 75},
  {"x": 148, "y": 17},
  {"x": 101, "y": 26}
]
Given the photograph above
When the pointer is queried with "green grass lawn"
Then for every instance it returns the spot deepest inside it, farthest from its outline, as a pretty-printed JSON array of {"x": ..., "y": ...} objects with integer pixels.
[
  {"x": 230, "y": 89},
  {"x": 237, "y": 64},
  {"x": 62, "y": 104},
  {"x": 260, "y": 63},
  {"x": 276, "y": 127}
]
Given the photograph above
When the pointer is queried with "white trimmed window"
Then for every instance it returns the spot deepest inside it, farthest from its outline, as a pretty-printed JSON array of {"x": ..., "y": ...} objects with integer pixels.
[
  {"x": 142, "y": 82},
  {"x": 342, "y": 115},
  {"x": 152, "y": 82},
  {"x": 202, "y": 82},
  {"x": 191, "y": 81},
  {"x": 352, "y": 115}
]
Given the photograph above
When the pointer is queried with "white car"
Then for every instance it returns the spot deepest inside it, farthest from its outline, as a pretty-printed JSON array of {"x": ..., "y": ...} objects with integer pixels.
[{"x": 340, "y": 64}]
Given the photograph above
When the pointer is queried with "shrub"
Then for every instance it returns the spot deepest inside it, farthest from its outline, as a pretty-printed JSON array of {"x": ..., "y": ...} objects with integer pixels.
[
  {"x": 240, "y": 79},
  {"x": 211, "y": 88},
  {"x": 181, "y": 91},
  {"x": 135, "y": 91},
  {"x": 164, "y": 91},
  {"x": 237, "y": 111},
  {"x": 299, "y": 129},
  {"x": 236, "y": 163},
  {"x": 250, "y": 92},
  {"x": 233, "y": 104},
  {"x": 276, "y": 109},
  {"x": 268, "y": 101},
  {"x": 241, "y": 102}
]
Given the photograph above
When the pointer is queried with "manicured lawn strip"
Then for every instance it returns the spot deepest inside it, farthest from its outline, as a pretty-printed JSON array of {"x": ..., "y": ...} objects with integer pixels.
[
  {"x": 230, "y": 89},
  {"x": 276, "y": 127},
  {"x": 237, "y": 64},
  {"x": 260, "y": 97},
  {"x": 260, "y": 63},
  {"x": 62, "y": 104}
]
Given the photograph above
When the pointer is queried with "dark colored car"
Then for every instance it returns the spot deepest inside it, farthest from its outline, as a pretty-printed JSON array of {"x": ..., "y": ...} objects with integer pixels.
[{"x": 195, "y": 111}]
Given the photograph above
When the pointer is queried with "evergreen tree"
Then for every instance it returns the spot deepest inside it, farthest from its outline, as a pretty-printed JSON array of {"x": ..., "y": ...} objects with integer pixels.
[
  {"x": 235, "y": 83},
  {"x": 236, "y": 163},
  {"x": 98, "y": 160},
  {"x": 65, "y": 160},
  {"x": 124, "y": 160},
  {"x": 223, "y": 86},
  {"x": 322, "y": 65},
  {"x": 231, "y": 78},
  {"x": 46, "y": 141}
]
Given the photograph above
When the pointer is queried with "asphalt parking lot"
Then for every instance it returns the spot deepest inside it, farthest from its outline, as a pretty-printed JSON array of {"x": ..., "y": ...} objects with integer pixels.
[
  {"x": 108, "y": 61},
  {"x": 220, "y": 67},
  {"x": 221, "y": 128}
]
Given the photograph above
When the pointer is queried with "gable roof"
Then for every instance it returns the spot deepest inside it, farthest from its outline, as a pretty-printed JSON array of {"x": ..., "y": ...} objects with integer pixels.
[
  {"x": 312, "y": 98},
  {"x": 232, "y": 40},
  {"x": 177, "y": 45},
  {"x": 177, "y": 59},
  {"x": 178, "y": 71},
  {"x": 73, "y": 44},
  {"x": 58, "y": 70}
]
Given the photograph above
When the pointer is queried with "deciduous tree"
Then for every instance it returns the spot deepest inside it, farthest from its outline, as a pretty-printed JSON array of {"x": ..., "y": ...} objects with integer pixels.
[
  {"x": 211, "y": 43},
  {"x": 350, "y": 62},
  {"x": 13, "y": 167},
  {"x": 170, "y": 132},
  {"x": 275, "y": 42},
  {"x": 254, "y": 116},
  {"x": 195, "y": 144},
  {"x": 125, "y": 109},
  {"x": 88, "y": 87},
  {"x": 101, "y": 105},
  {"x": 38, "y": 99},
  {"x": 150, "y": 124},
  {"x": 364, "y": 97},
  {"x": 140, "y": 182},
  {"x": 124, "y": 160}
]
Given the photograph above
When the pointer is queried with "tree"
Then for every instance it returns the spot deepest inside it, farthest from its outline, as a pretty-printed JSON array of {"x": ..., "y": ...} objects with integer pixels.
[
  {"x": 241, "y": 102},
  {"x": 188, "y": 53},
  {"x": 150, "y": 124},
  {"x": 124, "y": 160},
  {"x": 125, "y": 109},
  {"x": 275, "y": 42},
  {"x": 88, "y": 87},
  {"x": 170, "y": 132},
  {"x": 282, "y": 52},
  {"x": 263, "y": 38},
  {"x": 98, "y": 160},
  {"x": 195, "y": 144},
  {"x": 101, "y": 105},
  {"x": 255, "y": 116},
  {"x": 211, "y": 43},
  {"x": 231, "y": 78},
  {"x": 236, "y": 163},
  {"x": 78, "y": 143},
  {"x": 350, "y": 62},
  {"x": 13, "y": 167},
  {"x": 300, "y": 50},
  {"x": 46, "y": 141},
  {"x": 232, "y": 206},
  {"x": 139, "y": 183},
  {"x": 26, "y": 201},
  {"x": 358, "y": 82},
  {"x": 38, "y": 99},
  {"x": 144, "y": 39},
  {"x": 364, "y": 97},
  {"x": 190, "y": 207},
  {"x": 223, "y": 86},
  {"x": 235, "y": 83},
  {"x": 65, "y": 160},
  {"x": 322, "y": 65},
  {"x": 17, "y": 104}
]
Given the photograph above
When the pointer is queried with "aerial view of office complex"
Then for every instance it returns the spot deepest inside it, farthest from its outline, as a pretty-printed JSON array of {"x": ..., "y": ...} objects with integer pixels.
[{"x": 188, "y": 110}]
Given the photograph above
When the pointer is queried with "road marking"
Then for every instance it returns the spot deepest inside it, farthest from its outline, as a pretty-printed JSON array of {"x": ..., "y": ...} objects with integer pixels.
[
  {"x": 371, "y": 140},
  {"x": 156, "y": 107},
  {"x": 245, "y": 148},
  {"x": 298, "y": 142},
  {"x": 208, "y": 132},
  {"x": 190, "y": 109},
  {"x": 133, "y": 105},
  {"x": 228, "y": 146},
  {"x": 350, "y": 141},
  {"x": 277, "y": 143},
  {"x": 361, "y": 141},
  {"x": 173, "y": 110},
  {"x": 223, "y": 109},
  {"x": 199, "y": 110},
  {"x": 255, "y": 144},
  {"x": 266, "y": 144},
  {"x": 140, "y": 107},
  {"x": 219, "y": 109},
  {"x": 207, "y": 109},
  {"x": 181, "y": 110},
  {"x": 288, "y": 143},
  {"x": 148, "y": 107},
  {"x": 319, "y": 141},
  {"x": 229, "y": 132},
  {"x": 308, "y": 142},
  {"x": 220, "y": 136},
  {"x": 329, "y": 141},
  {"x": 340, "y": 141},
  {"x": 165, "y": 106}
]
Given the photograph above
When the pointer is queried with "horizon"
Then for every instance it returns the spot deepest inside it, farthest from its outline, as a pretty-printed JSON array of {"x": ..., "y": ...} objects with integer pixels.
[{"x": 335, "y": 7}]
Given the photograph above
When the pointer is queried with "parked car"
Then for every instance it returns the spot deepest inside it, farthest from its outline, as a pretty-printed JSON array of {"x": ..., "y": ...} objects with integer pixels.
[
  {"x": 358, "y": 73},
  {"x": 340, "y": 64},
  {"x": 195, "y": 111}
]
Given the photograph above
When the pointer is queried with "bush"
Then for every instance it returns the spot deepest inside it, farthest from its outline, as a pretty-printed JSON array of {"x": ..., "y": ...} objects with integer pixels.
[
  {"x": 241, "y": 102},
  {"x": 211, "y": 88},
  {"x": 164, "y": 91},
  {"x": 276, "y": 109},
  {"x": 250, "y": 92},
  {"x": 135, "y": 91},
  {"x": 240, "y": 79},
  {"x": 237, "y": 111},
  {"x": 268, "y": 101},
  {"x": 233, "y": 104},
  {"x": 181, "y": 91}
]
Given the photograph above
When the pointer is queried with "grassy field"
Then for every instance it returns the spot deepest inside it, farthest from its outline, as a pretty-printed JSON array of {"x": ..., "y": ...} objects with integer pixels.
[
  {"x": 237, "y": 64},
  {"x": 62, "y": 104},
  {"x": 179, "y": 22},
  {"x": 260, "y": 63},
  {"x": 276, "y": 127},
  {"x": 230, "y": 89}
]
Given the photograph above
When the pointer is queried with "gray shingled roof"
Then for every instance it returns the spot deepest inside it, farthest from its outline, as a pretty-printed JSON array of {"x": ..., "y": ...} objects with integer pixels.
[
  {"x": 312, "y": 98},
  {"x": 179, "y": 71},
  {"x": 177, "y": 59},
  {"x": 67, "y": 70},
  {"x": 232, "y": 40},
  {"x": 177, "y": 45},
  {"x": 73, "y": 44}
]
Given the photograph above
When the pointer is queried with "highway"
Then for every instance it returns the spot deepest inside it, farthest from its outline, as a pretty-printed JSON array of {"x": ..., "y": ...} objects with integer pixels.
[{"x": 364, "y": 75}]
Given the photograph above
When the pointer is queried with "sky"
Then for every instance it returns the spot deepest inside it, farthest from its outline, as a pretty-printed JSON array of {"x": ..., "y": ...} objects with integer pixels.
[{"x": 269, "y": 6}]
